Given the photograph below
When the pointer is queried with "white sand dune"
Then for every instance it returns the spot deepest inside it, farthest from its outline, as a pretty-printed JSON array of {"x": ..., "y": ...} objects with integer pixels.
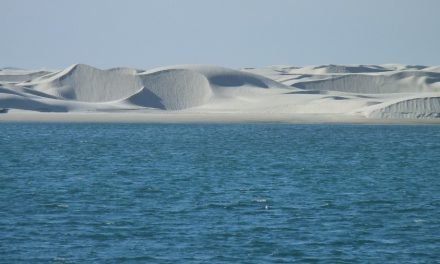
[
  {"x": 394, "y": 82},
  {"x": 172, "y": 89},
  {"x": 19, "y": 75},
  {"x": 422, "y": 107},
  {"x": 334, "y": 92},
  {"x": 85, "y": 83}
]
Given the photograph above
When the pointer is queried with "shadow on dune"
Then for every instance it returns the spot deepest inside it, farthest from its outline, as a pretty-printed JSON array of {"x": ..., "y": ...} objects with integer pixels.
[
  {"x": 38, "y": 93},
  {"x": 336, "y": 97},
  {"x": 146, "y": 98},
  {"x": 27, "y": 104},
  {"x": 300, "y": 85},
  {"x": 8, "y": 91},
  {"x": 232, "y": 81},
  {"x": 307, "y": 92},
  {"x": 333, "y": 68}
]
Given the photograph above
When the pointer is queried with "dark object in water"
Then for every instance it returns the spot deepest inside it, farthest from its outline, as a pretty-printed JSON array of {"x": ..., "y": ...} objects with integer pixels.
[{"x": 3, "y": 110}]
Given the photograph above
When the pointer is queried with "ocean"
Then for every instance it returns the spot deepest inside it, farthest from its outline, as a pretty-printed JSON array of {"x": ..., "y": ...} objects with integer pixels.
[{"x": 219, "y": 193}]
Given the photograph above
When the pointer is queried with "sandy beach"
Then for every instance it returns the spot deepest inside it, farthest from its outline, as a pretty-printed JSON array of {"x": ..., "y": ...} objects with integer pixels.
[{"x": 172, "y": 117}]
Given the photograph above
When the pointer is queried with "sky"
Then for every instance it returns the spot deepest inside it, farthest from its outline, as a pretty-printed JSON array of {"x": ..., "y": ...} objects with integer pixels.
[{"x": 145, "y": 34}]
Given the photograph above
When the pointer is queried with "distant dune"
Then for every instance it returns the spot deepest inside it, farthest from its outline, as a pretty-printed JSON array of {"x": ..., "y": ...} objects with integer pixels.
[{"x": 388, "y": 91}]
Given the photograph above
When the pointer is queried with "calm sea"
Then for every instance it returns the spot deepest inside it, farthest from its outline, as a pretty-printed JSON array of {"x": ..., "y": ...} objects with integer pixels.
[{"x": 207, "y": 193}]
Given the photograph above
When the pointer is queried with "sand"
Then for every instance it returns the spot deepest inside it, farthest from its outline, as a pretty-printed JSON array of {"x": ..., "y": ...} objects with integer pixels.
[{"x": 372, "y": 94}]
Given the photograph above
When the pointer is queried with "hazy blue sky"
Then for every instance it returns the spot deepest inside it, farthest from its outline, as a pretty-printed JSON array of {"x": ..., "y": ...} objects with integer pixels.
[{"x": 233, "y": 33}]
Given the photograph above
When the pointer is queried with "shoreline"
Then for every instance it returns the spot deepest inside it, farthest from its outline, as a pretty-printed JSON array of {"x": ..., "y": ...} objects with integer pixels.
[{"x": 188, "y": 117}]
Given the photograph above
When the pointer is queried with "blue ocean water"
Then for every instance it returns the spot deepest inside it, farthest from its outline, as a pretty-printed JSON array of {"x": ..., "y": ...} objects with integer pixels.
[{"x": 211, "y": 193}]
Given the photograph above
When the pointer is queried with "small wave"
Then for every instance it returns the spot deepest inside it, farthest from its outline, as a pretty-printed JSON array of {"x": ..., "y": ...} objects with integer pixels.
[{"x": 56, "y": 205}]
